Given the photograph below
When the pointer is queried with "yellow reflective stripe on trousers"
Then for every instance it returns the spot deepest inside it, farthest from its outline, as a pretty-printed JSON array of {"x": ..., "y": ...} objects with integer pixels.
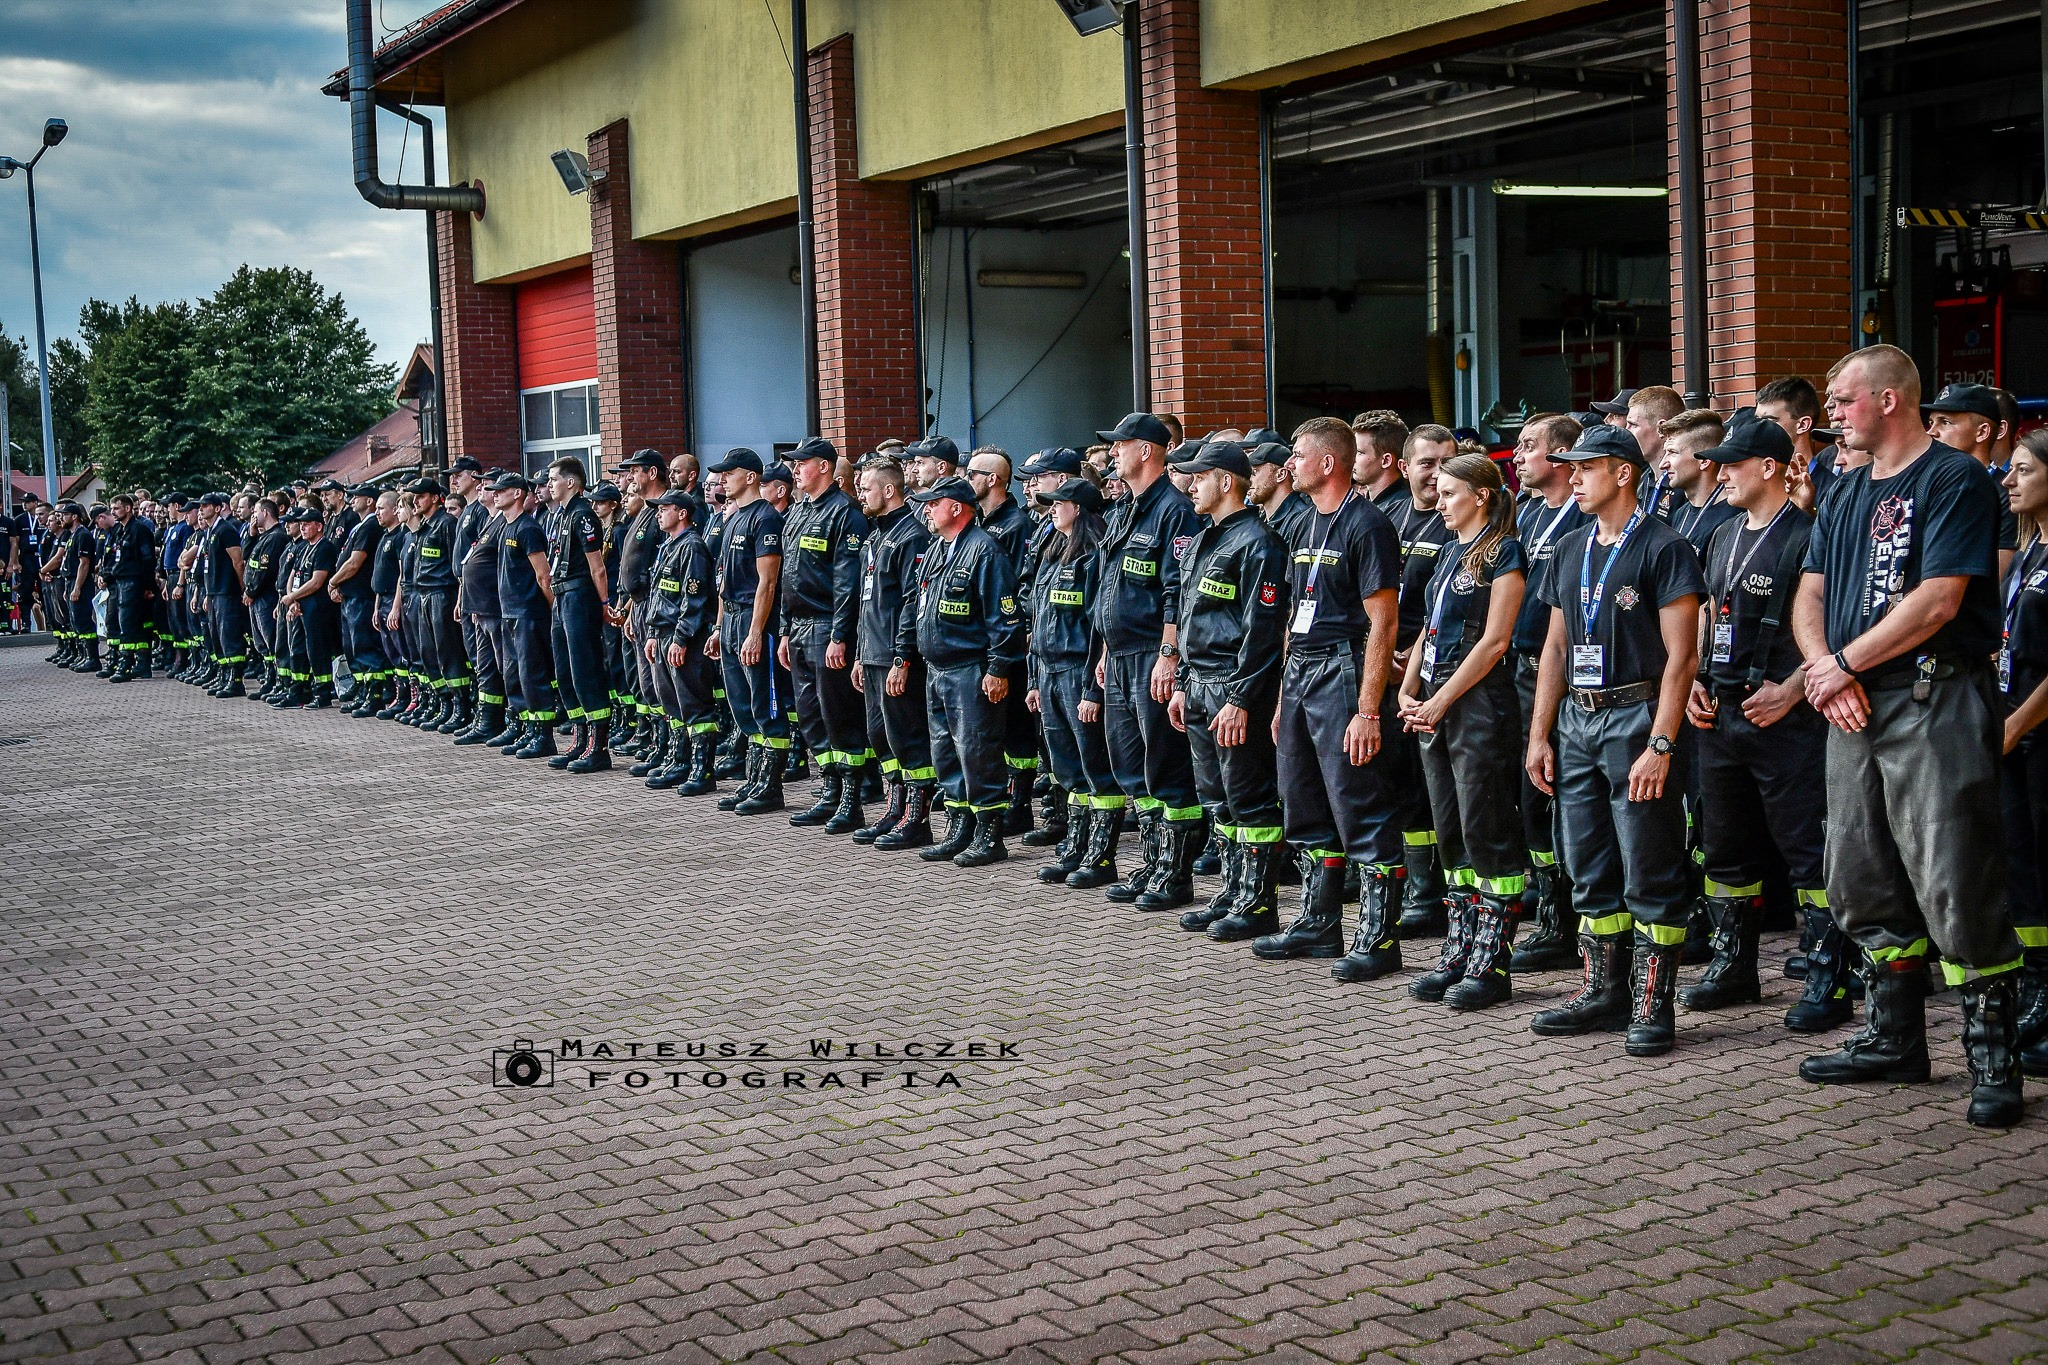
[
  {"x": 1664, "y": 935},
  {"x": 1178, "y": 813},
  {"x": 1956, "y": 974},
  {"x": 1917, "y": 948},
  {"x": 1538, "y": 858},
  {"x": 1503, "y": 886},
  {"x": 2032, "y": 935},
  {"x": 1223, "y": 831},
  {"x": 1108, "y": 802},
  {"x": 1419, "y": 838},
  {"x": 1259, "y": 834},
  {"x": 1812, "y": 896},
  {"x": 1714, "y": 888},
  {"x": 1607, "y": 926}
]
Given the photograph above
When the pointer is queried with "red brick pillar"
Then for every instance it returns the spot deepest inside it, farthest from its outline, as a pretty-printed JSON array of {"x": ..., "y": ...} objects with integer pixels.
[
  {"x": 1203, "y": 247},
  {"x": 637, "y": 290},
  {"x": 479, "y": 349},
  {"x": 867, "y": 291},
  {"x": 1775, "y": 104}
]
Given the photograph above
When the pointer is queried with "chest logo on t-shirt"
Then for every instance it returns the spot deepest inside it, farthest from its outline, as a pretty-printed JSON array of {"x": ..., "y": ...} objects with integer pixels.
[
  {"x": 1626, "y": 597},
  {"x": 1464, "y": 582},
  {"x": 1891, "y": 543},
  {"x": 1759, "y": 584}
]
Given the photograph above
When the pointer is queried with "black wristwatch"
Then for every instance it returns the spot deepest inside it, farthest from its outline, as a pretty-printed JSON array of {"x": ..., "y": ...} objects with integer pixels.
[
  {"x": 1661, "y": 745},
  {"x": 1169, "y": 651}
]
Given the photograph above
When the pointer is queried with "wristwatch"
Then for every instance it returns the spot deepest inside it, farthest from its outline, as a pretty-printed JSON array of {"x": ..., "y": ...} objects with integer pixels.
[
  {"x": 1169, "y": 651},
  {"x": 1661, "y": 745}
]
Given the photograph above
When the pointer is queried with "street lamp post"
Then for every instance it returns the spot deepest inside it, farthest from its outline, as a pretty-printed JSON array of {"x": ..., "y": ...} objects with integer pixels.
[{"x": 53, "y": 133}]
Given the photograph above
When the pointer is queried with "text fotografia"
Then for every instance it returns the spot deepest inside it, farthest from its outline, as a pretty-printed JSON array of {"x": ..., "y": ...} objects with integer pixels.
[{"x": 818, "y": 1064}]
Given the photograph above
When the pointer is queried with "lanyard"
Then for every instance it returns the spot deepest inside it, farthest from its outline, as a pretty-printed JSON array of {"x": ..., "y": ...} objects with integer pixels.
[
  {"x": 1315, "y": 563},
  {"x": 1436, "y": 610},
  {"x": 1536, "y": 545},
  {"x": 1736, "y": 575},
  {"x": 2016, "y": 582},
  {"x": 1591, "y": 594},
  {"x": 1695, "y": 513}
]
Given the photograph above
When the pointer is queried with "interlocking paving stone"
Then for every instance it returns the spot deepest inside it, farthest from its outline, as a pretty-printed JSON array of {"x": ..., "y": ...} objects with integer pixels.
[{"x": 256, "y": 964}]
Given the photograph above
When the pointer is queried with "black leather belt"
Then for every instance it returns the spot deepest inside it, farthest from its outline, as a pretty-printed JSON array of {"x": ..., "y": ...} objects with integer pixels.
[{"x": 1607, "y": 698}]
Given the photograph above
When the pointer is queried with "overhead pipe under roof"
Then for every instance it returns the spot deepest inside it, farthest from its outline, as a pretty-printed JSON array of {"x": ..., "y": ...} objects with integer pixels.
[{"x": 362, "y": 118}]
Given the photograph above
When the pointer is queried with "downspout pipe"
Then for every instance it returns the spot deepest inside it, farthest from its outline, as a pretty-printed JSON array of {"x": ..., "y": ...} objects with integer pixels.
[
  {"x": 1134, "y": 210},
  {"x": 362, "y": 119},
  {"x": 807, "y": 276},
  {"x": 426, "y": 127},
  {"x": 1692, "y": 197}
]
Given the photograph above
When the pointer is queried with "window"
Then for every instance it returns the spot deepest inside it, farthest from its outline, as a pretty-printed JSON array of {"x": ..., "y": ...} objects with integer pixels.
[{"x": 556, "y": 421}]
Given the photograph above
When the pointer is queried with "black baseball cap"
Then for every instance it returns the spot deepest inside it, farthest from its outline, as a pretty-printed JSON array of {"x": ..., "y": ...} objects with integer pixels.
[
  {"x": 642, "y": 459},
  {"x": 1186, "y": 450},
  {"x": 812, "y": 448},
  {"x": 423, "y": 484},
  {"x": 1618, "y": 405},
  {"x": 1139, "y": 426},
  {"x": 1271, "y": 452},
  {"x": 214, "y": 500},
  {"x": 1596, "y": 441},
  {"x": 675, "y": 497},
  {"x": 1078, "y": 490},
  {"x": 952, "y": 486},
  {"x": 466, "y": 465},
  {"x": 606, "y": 492},
  {"x": 934, "y": 448},
  {"x": 739, "y": 457},
  {"x": 312, "y": 514},
  {"x": 327, "y": 486},
  {"x": 364, "y": 490},
  {"x": 173, "y": 499},
  {"x": 1979, "y": 400},
  {"x": 1259, "y": 436},
  {"x": 1749, "y": 437},
  {"x": 507, "y": 483},
  {"x": 1053, "y": 460},
  {"x": 1225, "y": 455},
  {"x": 778, "y": 473}
]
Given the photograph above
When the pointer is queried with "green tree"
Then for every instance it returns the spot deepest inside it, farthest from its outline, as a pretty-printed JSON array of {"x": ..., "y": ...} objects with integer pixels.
[
  {"x": 24, "y": 405},
  {"x": 70, "y": 390},
  {"x": 283, "y": 373},
  {"x": 139, "y": 420}
]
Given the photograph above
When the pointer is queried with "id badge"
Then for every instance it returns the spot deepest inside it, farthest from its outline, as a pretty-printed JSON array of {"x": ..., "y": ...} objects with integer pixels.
[
  {"x": 1724, "y": 642},
  {"x": 1304, "y": 616},
  {"x": 1429, "y": 661},
  {"x": 867, "y": 588},
  {"x": 2005, "y": 670},
  {"x": 1589, "y": 666}
]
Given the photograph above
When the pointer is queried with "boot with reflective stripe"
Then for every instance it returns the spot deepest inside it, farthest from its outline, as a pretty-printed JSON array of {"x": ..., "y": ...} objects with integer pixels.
[
  {"x": 1376, "y": 945},
  {"x": 1549, "y": 946},
  {"x": 1731, "y": 978},
  {"x": 1098, "y": 859},
  {"x": 1073, "y": 826},
  {"x": 701, "y": 778},
  {"x": 1131, "y": 887},
  {"x": 1424, "y": 905},
  {"x": 1892, "y": 1044},
  {"x": 1990, "y": 1027},
  {"x": 1317, "y": 929},
  {"x": 660, "y": 757},
  {"x": 1052, "y": 830},
  {"x": 987, "y": 844},
  {"x": 1459, "y": 935},
  {"x": 1018, "y": 819},
  {"x": 819, "y": 811},
  {"x": 1173, "y": 884},
  {"x": 2032, "y": 1025},
  {"x": 1486, "y": 981},
  {"x": 597, "y": 755},
  {"x": 1828, "y": 971},
  {"x": 1209, "y": 861},
  {"x": 1601, "y": 1004},
  {"x": 848, "y": 815},
  {"x": 671, "y": 760},
  {"x": 1227, "y": 896},
  {"x": 914, "y": 830},
  {"x": 767, "y": 794},
  {"x": 577, "y": 749},
  {"x": 888, "y": 818},
  {"x": 959, "y": 833},
  {"x": 752, "y": 776},
  {"x": 1255, "y": 914},
  {"x": 1699, "y": 933},
  {"x": 1652, "y": 1020}
]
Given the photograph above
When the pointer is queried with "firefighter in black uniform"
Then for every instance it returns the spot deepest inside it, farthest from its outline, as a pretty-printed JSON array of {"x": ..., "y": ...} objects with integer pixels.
[
  {"x": 969, "y": 630},
  {"x": 892, "y": 684},
  {"x": 262, "y": 582},
  {"x": 1286, "y": 508},
  {"x": 466, "y": 481},
  {"x": 1042, "y": 473},
  {"x": 227, "y": 621},
  {"x": 609, "y": 504},
  {"x": 820, "y": 599},
  {"x": 316, "y": 634},
  {"x": 350, "y": 589},
  {"x": 483, "y": 628},
  {"x": 383, "y": 576},
  {"x": 1068, "y": 700},
  {"x": 1425, "y": 889},
  {"x": 525, "y": 602},
  {"x": 130, "y": 572},
  {"x": 1233, "y": 608},
  {"x": 577, "y": 576},
  {"x": 74, "y": 586},
  {"x": 676, "y": 618},
  {"x": 646, "y": 475},
  {"x": 436, "y": 583},
  {"x": 1010, "y": 526},
  {"x": 749, "y": 575}
]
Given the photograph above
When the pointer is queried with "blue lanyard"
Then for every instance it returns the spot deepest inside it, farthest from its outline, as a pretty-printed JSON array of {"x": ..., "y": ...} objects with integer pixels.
[
  {"x": 1592, "y": 594},
  {"x": 1315, "y": 564},
  {"x": 1436, "y": 611}
]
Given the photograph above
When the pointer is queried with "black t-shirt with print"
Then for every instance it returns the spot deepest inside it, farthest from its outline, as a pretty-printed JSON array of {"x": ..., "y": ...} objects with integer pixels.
[
  {"x": 1351, "y": 554},
  {"x": 1456, "y": 602},
  {"x": 1651, "y": 569},
  {"x": 2026, "y": 622},
  {"x": 1540, "y": 528},
  {"x": 1744, "y": 569}
]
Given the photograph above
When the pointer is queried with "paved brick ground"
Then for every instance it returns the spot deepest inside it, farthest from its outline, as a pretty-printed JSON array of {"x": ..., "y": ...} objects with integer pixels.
[{"x": 251, "y": 1117}]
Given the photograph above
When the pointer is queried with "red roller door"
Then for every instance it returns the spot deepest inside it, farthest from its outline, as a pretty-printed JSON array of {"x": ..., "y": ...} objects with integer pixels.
[{"x": 557, "y": 330}]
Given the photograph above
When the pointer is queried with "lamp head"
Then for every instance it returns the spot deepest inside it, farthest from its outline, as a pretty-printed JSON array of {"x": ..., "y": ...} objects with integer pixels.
[
  {"x": 1091, "y": 16},
  {"x": 8, "y": 166},
  {"x": 574, "y": 168},
  {"x": 54, "y": 131}
]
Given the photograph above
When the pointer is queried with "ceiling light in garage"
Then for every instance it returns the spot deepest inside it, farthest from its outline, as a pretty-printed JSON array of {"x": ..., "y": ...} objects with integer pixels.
[
  {"x": 1031, "y": 279},
  {"x": 1515, "y": 188}
]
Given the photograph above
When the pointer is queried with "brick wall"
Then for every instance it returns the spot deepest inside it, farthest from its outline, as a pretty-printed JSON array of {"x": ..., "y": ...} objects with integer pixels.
[
  {"x": 867, "y": 290},
  {"x": 479, "y": 350},
  {"x": 638, "y": 296},
  {"x": 1203, "y": 245},
  {"x": 1775, "y": 100}
]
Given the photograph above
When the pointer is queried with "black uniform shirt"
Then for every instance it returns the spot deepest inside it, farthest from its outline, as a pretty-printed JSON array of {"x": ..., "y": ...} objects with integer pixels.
[
  {"x": 1539, "y": 527},
  {"x": 888, "y": 578},
  {"x": 1062, "y": 617},
  {"x": 821, "y": 570},
  {"x": 1458, "y": 602},
  {"x": 2025, "y": 663},
  {"x": 339, "y": 524},
  {"x": 679, "y": 601},
  {"x": 1010, "y": 526},
  {"x": 1653, "y": 569},
  {"x": 1744, "y": 569},
  {"x": 1423, "y": 535},
  {"x": 469, "y": 527},
  {"x": 323, "y": 557},
  {"x": 81, "y": 547},
  {"x": 1141, "y": 551},
  {"x": 574, "y": 533},
  {"x": 384, "y": 567},
  {"x": 1698, "y": 524},
  {"x": 363, "y": 538},
  {"x": 1233, "y": 607},
  {"x": 478, "y": 595},
  {"x": 1293, "y": 513},
  {"x": 134, "y": 550},
  {"x": 1340, "y": 560},
  {"x": 435, "y": 548},
  {"x": 751, "y": 532},
  {"x": 643, "y": 540},
  {"x": 967, "y": 610},
  {"x": 614, "y": 547},
  {"x": 1877, "y": 539},
  {"x": 519, "y": 594},
  {"x": 409, "y": 562},
  {"x": 216, "y": 570}
]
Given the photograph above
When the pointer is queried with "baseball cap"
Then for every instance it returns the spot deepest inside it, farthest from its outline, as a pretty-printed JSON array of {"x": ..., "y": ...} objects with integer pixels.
[
  {"x": 812, "y": 448},
  {"x": 675, "y": 497},
  {"x": 1596, "y": 441},
  {"x": 739, "y": 457},
  {"x": 466, "y": 465},
  {"x": 1139, "y": 426},
  {"x": 778, "y": 473},
  {"x": 934, "y": 448},
  {"x": 605, "y": 492},
  {"x": 952, "y": 486},
  {"x": 1617, "y": 405},
  {"x": 506, "y": 483},
  {"x": 1224, "y": 455},
  {"x": 423, "y": 484},
  {"x": 214, "y": 500},
  {"x": 1078, "y": 490},
  {"x": 1977, "y": 399},
  {"x": 1749, "y": 438},
  {"x": 642, "y": 459},
  {"x": 1271, "y": 452},
  {"x": 1053, "y": 460}
]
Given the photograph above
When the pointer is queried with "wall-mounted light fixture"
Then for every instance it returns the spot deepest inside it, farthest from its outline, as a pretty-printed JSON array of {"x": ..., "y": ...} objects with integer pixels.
[
  {"x": 574, "y": 168},
  {"x": 1091, "y": 16},
  {"x": 1031, "y": 279},
  {"x": 1517, "y": 189}
]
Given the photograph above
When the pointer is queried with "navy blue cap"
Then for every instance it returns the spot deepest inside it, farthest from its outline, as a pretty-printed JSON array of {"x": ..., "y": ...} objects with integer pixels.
[
  {"x": 1979, "y": 400},
  {"x": 812, "y": 448},
  {"x": 1139, "y": 426},
  {"x": 172, "y": 499},
  {"x": 606, "y": 492},
  {"x": 952, "y": 486},
  {"x": 1186, "y": 450},
  {"x": 468, "y": 464},
  {"x": 778, "y": 473},
  {"x": 739, "y": 457},
  {"x": 1750, "y": 437},
  {"x": 1224, "y": 455},
  {"x": 327, "y": 486},
  {"x": 364, "y": 490},
  {"x": 641, "y": 459},
  {"x": 934, "y": 448},
  {"x": 1271, "y": 452},
  {"x": 1602, "y": 440},
  {"x": 1080, "y": 491},
  {"x": 214, "y": 500},
  {"x": 1053, "y": 460},
  {"x": 1618, "y": 405},
  {"x": 675, "y": 497},
  {"x": 508, "y": 483},
  {"x": 1259, "y": 436},
  {"x": 423, "y": 484},
  {"x": 1588, "y": 419}
]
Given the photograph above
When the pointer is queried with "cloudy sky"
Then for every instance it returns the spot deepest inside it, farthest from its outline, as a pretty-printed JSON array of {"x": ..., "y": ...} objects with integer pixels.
[{"x": 199, "y": 140}]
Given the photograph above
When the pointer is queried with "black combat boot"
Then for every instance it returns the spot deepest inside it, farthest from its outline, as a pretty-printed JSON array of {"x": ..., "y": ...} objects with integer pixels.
[
  {"x": 732, "y": 756},
  {"x": 1376, "y": 942},
  {"x": 1209, "y": 861},
  {"x": 1699, "y": 933},
  {"x": 1423, "y": 910},
  {"x": 636, "y": 741},
  {"x": 1601, "y": 1004},
  {"x": 597, "y": 758},
  {"x": 1829, "y": 969},
  {"x": 914, "y": 830},
  {"x": 1173, "y": 885},
  {"x": 663, "y": 755},
  {"x": 767, "y": 794},
  {"x": 848, "y": 815},
  {"x": 323, "y": 696},
  {"x": 889, "y": 817},
  {"x": 702, "y": 778},
  {"x": 1052, "y": 830},
  {"x": 2032, "y": 1024},
  {"x": 509, "y": 732},
  {"x": 417, "y": 705},
  {"x": 750, "y": 780},
  {"x": 1892, "y": 1044},
  {"x": 1074, "y": 825},
  {"x": 577, "y": 748},
  {"x": 1990, "y": 1029},
  {"x": 459, "y": 717},
  {"x": 514, "y": 738},
  {"x": 987, "y": 844},
  {"x": 1731, "y": 978},
  {"x": 1098, "y": 856},
  {"x": 490, "y": 718},
  {"x": 1652, "y": 1018},
  {"x": 1317, "y": 929},
  {"x": 1227, "y": 895},
  {"x": 540, "y": 741},
  {"x": 1255, "y": 911},
  {"x": 820, "y": 811},
  {"x": 88, "y": 660},
  {"x": 233, "y": 686},
  {"x": 1549, "y": 946},
  {"x": 1460, "y": 932},
  {"x": 1486, "y": 981},
  {"x": 394, "y": 706},
  {"x": 959, "y": 834},
  {"x": 1129, "y": 889},
  {"x": 1018, "y": 818},
  {"x": 796, "y": 759}
]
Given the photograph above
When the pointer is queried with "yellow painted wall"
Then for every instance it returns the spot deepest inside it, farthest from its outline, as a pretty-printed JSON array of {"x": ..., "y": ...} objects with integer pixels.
[{"x": 1252, "y": 44}]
